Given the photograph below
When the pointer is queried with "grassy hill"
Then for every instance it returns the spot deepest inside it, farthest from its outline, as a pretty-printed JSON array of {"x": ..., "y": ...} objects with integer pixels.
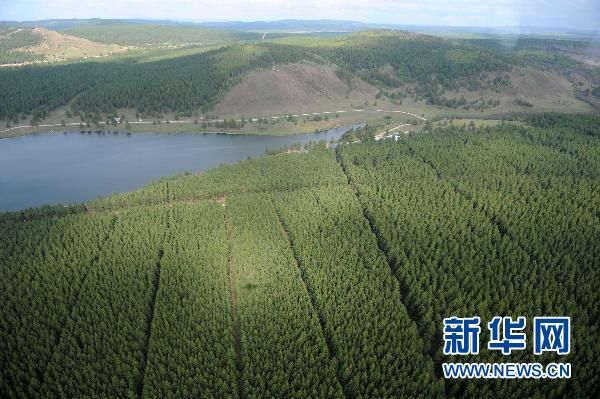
[
  {"x": 90, "y": 39},
  {"x": 13, "y": 41},
  {"x": 26, "y": 46},
  {"x": 317, "y": 274},
  {"x": 130, "y": 34},
  {"x": 391, "y": 58},
  {"x": 295, "y": 88},
  {"x": 198, "y": 75}
]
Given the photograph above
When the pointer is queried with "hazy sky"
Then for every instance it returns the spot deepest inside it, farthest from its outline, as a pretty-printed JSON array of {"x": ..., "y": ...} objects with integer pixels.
[{"x": 584, "y": 14}]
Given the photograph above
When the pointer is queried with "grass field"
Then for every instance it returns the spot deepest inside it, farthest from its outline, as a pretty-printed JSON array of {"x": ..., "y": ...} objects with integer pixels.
[{"x": 153, "y": 35}]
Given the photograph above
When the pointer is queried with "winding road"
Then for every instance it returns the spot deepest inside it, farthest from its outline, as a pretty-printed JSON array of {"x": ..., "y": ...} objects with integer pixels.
[{"x": 191, "y": 121}]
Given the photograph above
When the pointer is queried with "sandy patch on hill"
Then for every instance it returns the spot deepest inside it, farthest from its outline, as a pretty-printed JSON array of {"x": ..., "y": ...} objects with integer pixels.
[
  {"x": 543, "y": 89},
  {"x": 294, "y": 88},
  {"x": 534, "y": 83},
  {"x": 58, "y": 47}
]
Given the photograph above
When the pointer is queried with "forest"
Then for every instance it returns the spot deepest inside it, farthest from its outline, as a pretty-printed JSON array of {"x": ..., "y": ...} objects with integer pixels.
[
  {"x": 197, "y": 81},
  {"x": 148, "y": 34},
  {"x": 325, "y": 273},
  {"x": 186, "y": 71},
  {"x": 414, "y": 59},
  {"x": 93, "y": 88},
  {"x": 12, "y": 43}
]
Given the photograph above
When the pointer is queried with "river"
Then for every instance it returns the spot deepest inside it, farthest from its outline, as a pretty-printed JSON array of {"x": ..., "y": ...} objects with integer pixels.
[{"x": 72, "y": 167}]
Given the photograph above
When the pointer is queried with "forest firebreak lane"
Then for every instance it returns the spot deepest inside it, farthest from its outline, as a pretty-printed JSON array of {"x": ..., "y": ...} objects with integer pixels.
[{"x": 141, "y": 122}]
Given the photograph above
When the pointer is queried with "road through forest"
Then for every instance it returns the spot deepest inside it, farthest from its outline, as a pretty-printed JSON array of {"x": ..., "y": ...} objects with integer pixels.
[{"x": 192, "y": 121}]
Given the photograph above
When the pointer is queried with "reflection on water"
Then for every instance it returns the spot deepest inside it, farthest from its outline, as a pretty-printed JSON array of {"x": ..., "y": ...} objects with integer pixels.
[{"x": 79, "y": 166}]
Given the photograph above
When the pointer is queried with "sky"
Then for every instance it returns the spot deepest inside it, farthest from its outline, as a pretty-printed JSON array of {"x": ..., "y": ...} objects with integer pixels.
[{"x": 577, "y": 14}]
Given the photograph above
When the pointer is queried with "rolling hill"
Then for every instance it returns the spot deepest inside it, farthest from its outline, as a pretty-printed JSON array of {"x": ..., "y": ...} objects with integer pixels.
[
  {"x": 24, "y": 46},
  {"x": 296, "y": 88},
  {"x": 173, "y": 71},
  {"x": 146, "y": 34}
]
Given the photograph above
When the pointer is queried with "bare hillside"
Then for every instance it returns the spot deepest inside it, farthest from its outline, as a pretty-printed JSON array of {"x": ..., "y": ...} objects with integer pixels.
[
  {"x": 56, "y": 46},
  {"x": 29, "y": 46},
  {"x": 294, "y": 88},
  {"x": 543, "y": 90}
]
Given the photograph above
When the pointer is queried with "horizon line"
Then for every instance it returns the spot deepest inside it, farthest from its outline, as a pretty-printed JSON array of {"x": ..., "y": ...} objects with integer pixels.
[{"x": 199, "y": 21}]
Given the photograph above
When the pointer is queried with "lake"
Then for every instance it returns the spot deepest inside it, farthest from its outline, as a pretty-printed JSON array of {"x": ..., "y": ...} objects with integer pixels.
[{"x": 76, "y": 167}]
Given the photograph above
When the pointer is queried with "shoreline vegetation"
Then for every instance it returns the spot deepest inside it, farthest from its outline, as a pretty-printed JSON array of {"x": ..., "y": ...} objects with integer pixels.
[
  {"x": 282, "y": 125},
  {"x": 282, "y": 128},
  {"x": 358, "y": 132}
]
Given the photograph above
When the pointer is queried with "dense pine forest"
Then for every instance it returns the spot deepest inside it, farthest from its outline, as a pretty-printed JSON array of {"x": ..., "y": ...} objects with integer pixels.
[
  {"x": 182, "y": 84},
  {"x": 195, "y": 82},
  {"x": 413, "y": 58},
  {"x": 318, "y": 274}
]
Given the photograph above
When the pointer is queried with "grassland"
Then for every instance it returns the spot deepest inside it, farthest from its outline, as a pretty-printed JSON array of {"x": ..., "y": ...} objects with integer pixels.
[
  {"x": 155, "y": 35},
  {"x": 112, "y": 41}
]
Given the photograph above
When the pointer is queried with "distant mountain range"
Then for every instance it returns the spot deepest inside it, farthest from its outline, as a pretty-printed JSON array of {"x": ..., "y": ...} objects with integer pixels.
[
  {"x": 351, "y": 26},
  {"x": 316, "y": 26}
]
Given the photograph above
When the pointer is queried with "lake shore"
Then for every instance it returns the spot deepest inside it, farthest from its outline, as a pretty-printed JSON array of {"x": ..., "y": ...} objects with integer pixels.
[
  {"x": 271, "y": 126},
  {"x": 75, "y": 167}
]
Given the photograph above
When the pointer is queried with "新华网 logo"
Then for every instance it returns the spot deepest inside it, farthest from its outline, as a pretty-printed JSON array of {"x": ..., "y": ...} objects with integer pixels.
[{"x": 507, "y": 334}]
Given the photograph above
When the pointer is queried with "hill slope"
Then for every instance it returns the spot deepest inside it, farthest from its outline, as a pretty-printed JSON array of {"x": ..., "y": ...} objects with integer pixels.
[
  {"x": 119, "y": 84},
  {"x": 129, "y": 34},
  {"x": 293, "y": 88},
  {"x": 23, "y": 46},
  {"x": 56, "y": 46},
  {"x": 432, "y": 74}
]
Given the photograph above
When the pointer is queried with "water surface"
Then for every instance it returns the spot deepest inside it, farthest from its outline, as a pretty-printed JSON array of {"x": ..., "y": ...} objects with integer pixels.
[{"x": 77, "y": 167}]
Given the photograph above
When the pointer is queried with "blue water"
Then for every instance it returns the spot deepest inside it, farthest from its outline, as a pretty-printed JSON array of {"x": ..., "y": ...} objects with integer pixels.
[{"x": 76, "y": 167}]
